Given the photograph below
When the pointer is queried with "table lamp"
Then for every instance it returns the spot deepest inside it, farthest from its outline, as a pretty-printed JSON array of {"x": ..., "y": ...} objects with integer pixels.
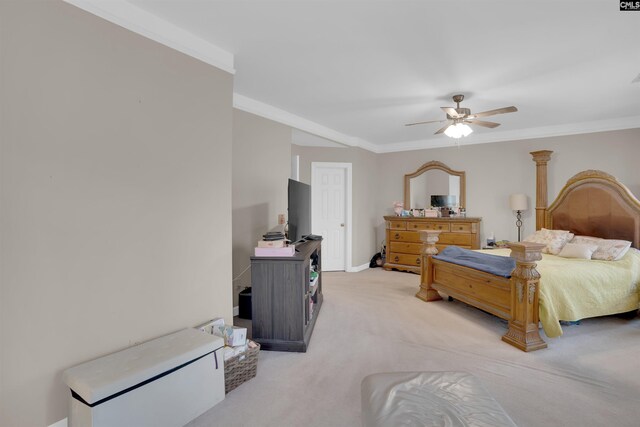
[{"x": 518, "y": 203}]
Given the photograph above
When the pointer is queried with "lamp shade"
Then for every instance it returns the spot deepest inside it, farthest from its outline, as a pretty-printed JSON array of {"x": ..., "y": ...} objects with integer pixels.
[{"x": 518, "y": 202}]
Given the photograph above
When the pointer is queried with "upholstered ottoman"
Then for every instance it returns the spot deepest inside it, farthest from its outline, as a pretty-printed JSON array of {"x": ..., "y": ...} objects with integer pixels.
[
  {"x": 424, "y": 399},
  {"x": 165, "y": 382}
]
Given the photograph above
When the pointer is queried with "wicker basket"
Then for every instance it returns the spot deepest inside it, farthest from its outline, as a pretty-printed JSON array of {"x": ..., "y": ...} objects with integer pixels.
[{"x": 241, "y": 368}]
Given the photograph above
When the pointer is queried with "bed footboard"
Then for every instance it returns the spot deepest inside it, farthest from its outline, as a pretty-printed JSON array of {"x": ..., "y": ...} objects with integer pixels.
[
  {"x": 523, "y": 329},
  {"x": 427, "y": 292},
  {"x": 515, "y": 299}
]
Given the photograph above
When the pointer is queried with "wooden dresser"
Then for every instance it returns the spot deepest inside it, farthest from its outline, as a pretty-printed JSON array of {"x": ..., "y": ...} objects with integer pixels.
[{"x": 403, "y": 239}]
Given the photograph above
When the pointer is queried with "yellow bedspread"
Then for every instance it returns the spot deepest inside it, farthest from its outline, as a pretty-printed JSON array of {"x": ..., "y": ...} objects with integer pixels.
[{"x": 574, "y": 289}]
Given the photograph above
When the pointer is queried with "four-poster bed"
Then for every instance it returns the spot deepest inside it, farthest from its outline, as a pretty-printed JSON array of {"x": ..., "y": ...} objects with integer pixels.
[{"x": 592, "y": 203}]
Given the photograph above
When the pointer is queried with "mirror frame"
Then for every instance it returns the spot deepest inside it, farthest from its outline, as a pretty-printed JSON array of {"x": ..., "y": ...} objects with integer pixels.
[{"x": 429, "y": 166}]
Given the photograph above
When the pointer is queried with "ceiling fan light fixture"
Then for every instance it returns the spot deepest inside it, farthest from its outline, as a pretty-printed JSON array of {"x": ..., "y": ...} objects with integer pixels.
[
  {"x": 465, "y": 129},
  {"x": 453, "y": 132},
  {"x": 458, "y": 130},
  {"x": 457, "y": 118}
]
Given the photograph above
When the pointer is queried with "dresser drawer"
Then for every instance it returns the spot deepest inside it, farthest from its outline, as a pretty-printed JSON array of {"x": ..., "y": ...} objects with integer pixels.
[
  {"x": 461, "y": 232},
  {"x": 456, "y": 239},
  {"x": 404, "y": 259},
  {"x": 397, "y": 225},
  {"x": 464, "y": 227},
  {"x": 437, "y": 226},
  {"x": 405, "y": 248},
  {"x": 403, "y": 236},
  {"x": 417, "y": 226}
]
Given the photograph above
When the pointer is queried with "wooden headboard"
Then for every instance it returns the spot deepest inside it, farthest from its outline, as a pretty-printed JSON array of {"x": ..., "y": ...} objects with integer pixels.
[{"x": 592, "y": 203}]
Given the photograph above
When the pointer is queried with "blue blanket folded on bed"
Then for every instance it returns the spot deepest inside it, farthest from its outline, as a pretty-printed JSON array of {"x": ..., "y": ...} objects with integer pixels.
[{"x": 494, "y": 264}]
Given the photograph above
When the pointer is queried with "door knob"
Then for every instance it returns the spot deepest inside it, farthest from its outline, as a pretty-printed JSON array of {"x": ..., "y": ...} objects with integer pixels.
[{"x": 341, "y": 225}]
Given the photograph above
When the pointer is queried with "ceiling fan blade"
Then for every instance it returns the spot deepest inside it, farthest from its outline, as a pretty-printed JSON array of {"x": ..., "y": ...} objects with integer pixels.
[
  {"x": 452, "y": 112},
  {"x": 483, "y": 123},
  {"x": 443, "y": 128},
  {"x": 511, "y": 109},
  {"x": 423, "y": 123}
]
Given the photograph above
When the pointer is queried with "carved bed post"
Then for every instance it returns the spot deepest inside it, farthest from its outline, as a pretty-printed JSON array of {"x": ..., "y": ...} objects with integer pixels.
[
  {"x": 525, "y": 312},
  {"x": 429, "y": 239},
  {"x": 541, "y": 158}
]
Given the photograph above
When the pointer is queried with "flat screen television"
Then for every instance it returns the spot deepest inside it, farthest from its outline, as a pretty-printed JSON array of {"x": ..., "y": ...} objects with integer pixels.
[
  {"x": 299, "y": 210},
  {"x": 442, "y": 201}
]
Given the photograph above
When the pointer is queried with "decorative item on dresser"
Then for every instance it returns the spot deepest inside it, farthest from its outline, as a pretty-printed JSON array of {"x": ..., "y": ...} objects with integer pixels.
[{"x": 404, "y": 244}]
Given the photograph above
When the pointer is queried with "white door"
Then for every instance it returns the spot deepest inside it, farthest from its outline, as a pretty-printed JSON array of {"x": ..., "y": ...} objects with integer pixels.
[{"x": 329, "y": 184}]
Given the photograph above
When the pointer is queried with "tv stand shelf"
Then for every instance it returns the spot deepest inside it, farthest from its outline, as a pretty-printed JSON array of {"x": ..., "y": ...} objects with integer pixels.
[{"x": 285, "y": 303}]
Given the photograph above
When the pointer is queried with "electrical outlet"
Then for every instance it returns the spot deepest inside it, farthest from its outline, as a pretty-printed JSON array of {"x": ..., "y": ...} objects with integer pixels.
[{"x": 281, "y": 219}]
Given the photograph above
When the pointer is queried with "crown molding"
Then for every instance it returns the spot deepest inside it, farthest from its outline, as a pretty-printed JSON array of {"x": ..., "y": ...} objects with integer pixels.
[
  {"x": 126, "y": 15},
  {"x": 516, "y": 135},
  {"x": 305, "y": 139},
  {"x": 262, "y": 109},
  {"x": 270, "y": 112},
  {"x": 137, "y": 20}
]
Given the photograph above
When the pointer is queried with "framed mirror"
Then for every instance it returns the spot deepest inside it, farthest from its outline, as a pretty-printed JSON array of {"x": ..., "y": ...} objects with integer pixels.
[{"x": 434, "y": 179}]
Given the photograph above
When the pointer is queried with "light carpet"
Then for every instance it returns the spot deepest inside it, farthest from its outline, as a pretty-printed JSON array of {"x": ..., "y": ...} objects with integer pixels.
[{"x": 371, "y": 322}]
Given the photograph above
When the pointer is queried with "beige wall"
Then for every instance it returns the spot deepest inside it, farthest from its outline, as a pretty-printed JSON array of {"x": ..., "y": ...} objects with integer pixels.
[
  {"x": 115, "y": 194},
  {"x": 364, "y": 170},
  {"x": 261, "y": 167},
  {"x": 494, "y": 171}
]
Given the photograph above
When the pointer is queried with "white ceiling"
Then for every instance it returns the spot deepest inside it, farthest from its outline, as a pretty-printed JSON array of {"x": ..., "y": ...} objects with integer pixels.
[{"x": 357, "y": 71}]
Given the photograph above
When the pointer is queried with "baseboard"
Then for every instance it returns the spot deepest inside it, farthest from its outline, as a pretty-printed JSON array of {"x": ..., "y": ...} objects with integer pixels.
[
  {"x": 357, "y": 268},
  {"x": 61, "y": 423},
  {"x": 236, "y": 311}
]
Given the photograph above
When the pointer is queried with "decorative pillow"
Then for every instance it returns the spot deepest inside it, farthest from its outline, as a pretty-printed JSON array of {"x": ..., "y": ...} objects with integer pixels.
[
  {"x": 608, "y": 249},
  {"x": 578, "y": 250},
  {"x": 554, "y": 239}
]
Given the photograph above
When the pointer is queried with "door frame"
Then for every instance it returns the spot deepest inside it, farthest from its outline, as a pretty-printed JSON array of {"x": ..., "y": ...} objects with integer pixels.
[{"x": 348, "y": 204}]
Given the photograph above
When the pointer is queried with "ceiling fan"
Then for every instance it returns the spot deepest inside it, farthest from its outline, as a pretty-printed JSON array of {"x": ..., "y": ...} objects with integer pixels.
[{"x": 458, "y": 119}]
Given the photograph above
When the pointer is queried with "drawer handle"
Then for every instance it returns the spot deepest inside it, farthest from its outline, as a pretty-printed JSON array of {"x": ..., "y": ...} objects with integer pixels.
[
  {"x": 397, "y": 258},
  {"x": 418, "y": 261},
  {"x": 440, "y": 227},
  {"x": 460, "y": 228},
  {"x": 397, "y": 235}
]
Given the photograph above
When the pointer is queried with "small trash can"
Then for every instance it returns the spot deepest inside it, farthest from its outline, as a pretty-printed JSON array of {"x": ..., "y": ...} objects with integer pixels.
[{"x": 244, "y": 303}]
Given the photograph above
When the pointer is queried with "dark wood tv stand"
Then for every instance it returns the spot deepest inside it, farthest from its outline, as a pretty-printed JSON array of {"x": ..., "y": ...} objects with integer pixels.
[{"x": 285, "y": 305}]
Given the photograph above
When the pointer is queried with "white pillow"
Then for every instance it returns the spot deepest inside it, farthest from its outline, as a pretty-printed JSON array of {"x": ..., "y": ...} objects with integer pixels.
[
  {"x": 608, "y": 249},
  {"x": 553, "y": 239},
  {"x": 578, "y": 250}
]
